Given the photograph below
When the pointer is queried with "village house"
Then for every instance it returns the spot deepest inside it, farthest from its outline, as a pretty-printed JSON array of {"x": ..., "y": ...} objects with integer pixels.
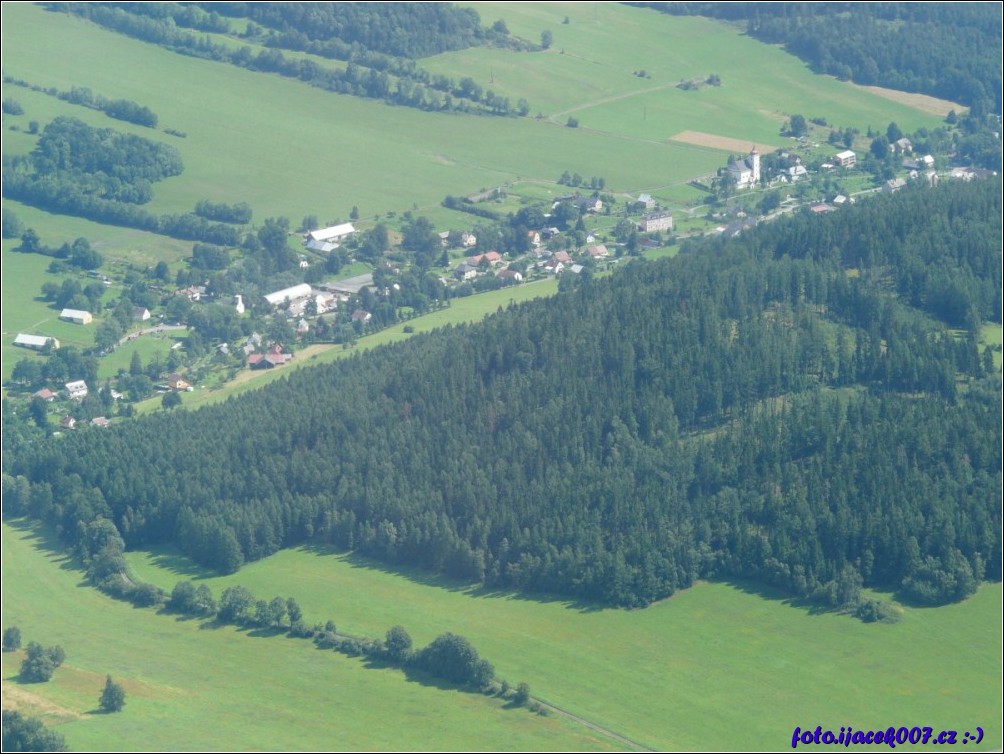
[
  {"x": 141, "y": 313},
  {"x": 76, "y": 316},
  {"x": 177, "y": 383},
  {"x": 554, "y": 266},
  {"x": 509, "y": 276},
  {"x": 68, "y": 422},
  {"x": 654, "y": 221},
  {"x": 646, "y": 201},
  {"x": 361, "y": 315},
  {"x": 597, "y": 252},
  {"x": 35, "y": 342},
  {"x": 325, "y": 302},
  {"x": 76, "y": 390},
  {"x": 492, "y": 257},
  {"x": 468, "y": 239},
  {"x": 100, "y": 421},
  {"x": 275, "y": 356},
  {"x": 587, "y": 203},
  {"x": 465, "y": 271},
  {"x": 893, "y": 185},
  {"x": 846, "y": 159},
  {"x": 45, "y": 394}
]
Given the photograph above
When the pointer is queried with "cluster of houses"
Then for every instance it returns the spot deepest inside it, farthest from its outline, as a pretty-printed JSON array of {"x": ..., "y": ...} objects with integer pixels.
[{"x": 68, "y": 422}]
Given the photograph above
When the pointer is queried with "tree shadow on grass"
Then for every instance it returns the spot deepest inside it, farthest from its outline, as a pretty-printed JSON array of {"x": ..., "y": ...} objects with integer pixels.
[
  {"x": 439, "y": 581},
  {"x": 180, "y": 565},
  {"x": 45, "y": 541},
  {"x": 772, "y": 594}
]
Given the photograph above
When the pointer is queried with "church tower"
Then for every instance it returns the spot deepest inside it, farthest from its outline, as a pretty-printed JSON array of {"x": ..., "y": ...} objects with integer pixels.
[{"x": 755, "y": 165}]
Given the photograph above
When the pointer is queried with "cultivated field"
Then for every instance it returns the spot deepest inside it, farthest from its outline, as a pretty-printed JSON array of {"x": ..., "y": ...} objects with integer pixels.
[
  {"x": 924, "y": 102},
  {"x": 719, "y": 142},
  {"x": 193, "y": 688},
  {"x": 720, "y": 666}
]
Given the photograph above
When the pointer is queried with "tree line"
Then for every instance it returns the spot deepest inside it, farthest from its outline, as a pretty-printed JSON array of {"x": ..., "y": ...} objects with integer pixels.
[
  {"x": 796, "y": 405},
  {"x": 391, "y": 80},
  {"x": 103, "y": 175},
  {"x": 120, "y": 109}
]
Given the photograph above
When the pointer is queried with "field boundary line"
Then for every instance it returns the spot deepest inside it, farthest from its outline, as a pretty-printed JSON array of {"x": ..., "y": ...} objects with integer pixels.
[{"x": 636, "y": 745}]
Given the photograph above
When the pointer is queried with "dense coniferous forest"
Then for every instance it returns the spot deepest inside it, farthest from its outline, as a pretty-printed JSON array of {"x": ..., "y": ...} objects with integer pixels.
[
  {"x": 805, "y": 406},
  {"x": 406, "y": 30},
  {"x": 948, "y": 50}
]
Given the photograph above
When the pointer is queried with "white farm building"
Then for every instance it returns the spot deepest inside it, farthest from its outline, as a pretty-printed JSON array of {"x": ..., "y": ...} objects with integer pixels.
[
  {"x": 76, "y": 316},
  {"x": 292, "y": 294},
  {"x": 333, "y": 233},
  {"x": 37, "y": 342}
]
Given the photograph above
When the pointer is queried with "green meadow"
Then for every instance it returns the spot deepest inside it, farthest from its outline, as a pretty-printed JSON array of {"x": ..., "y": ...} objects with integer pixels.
[
  {"x": 590, "y": 72},
  {"x": 191, "y": 687},
  {"x": 289, "y": 149},
  {"x": 24, "y": 311},
  {"x": 719, "y": 666},
  {"x": 149, "y": 347}
]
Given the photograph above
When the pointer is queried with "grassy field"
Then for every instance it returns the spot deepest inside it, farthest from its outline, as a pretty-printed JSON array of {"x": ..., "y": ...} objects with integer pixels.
[
  {"x": 193, "y": 689},
  {"x": 148, "y": 347},
  {"x": 590, "y": 72},
  {"x": 393, "y": 158},
  {"x": 720, "y": 666},
  {"x": 24, "y": 311},
  {"x": 993, "y": 336}
]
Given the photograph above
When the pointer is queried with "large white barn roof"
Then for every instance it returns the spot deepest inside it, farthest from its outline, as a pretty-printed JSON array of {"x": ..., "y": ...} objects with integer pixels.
[
  {"x": 297, "y": 291},
  {"x": 335, "y": 231}
]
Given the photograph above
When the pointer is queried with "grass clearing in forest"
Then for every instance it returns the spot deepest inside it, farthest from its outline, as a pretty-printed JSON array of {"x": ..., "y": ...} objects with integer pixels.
[
  {"x": 196, "y": 687},
  {"x": 719, "y": 665}
]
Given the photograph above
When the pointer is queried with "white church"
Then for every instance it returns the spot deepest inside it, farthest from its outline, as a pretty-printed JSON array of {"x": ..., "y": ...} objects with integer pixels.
[{"x": 745, "y": 172}]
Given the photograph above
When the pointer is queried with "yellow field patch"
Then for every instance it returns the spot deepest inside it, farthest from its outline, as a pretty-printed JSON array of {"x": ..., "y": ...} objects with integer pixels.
[
  {"x": 726, "y": 143},
  {"x": 20, "y": 699},
  {"x": 922, "y": 102}
]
